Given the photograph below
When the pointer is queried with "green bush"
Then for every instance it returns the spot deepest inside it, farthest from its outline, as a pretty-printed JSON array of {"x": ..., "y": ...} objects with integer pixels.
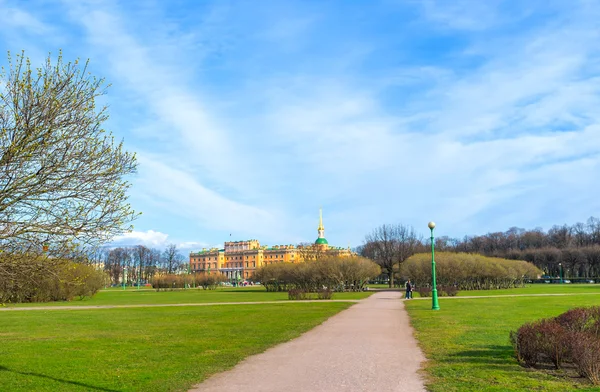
[
  {"x": 331, "y": 273},
  {"x": 34, "y": 278},
  {"x": 573, "y": 337},
  {"x": 467, "y": 271}
]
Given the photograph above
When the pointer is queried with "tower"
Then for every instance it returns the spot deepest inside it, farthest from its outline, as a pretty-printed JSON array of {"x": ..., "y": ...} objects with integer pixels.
[{"x": 321, "y": 230}]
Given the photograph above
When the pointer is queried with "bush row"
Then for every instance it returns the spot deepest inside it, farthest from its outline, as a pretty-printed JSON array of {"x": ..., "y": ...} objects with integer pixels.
[
  {"x": 573, "y": 338},
  {"x": 173, "y": 281},
  {"x": 333, "y": 273},
  {"x": 34, "y": 278},
  {"x": 468, "y": 271},
  {"x": 449, "y": 291},
  {"x": 297, "y": 294}
]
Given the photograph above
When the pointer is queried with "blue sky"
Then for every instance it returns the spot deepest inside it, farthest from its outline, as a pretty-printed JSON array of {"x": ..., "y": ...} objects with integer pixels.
[{"x": 247, "y": 116}]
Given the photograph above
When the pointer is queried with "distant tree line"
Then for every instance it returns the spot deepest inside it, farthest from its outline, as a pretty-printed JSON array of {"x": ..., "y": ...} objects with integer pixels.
[
  {"x": 138, "y": 262},
  {"x": 575, "y": 249}
]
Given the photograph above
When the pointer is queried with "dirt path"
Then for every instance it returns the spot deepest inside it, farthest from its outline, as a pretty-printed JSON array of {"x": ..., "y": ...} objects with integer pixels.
[{"x": 368, "y": 347}]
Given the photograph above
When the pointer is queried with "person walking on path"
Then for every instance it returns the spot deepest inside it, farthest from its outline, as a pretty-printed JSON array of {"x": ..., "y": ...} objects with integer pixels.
[{"x": 409, "y": 289}]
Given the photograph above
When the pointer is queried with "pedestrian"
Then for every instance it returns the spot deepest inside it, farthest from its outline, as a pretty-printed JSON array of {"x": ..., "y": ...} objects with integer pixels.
[{"x": 409, "y": 288}]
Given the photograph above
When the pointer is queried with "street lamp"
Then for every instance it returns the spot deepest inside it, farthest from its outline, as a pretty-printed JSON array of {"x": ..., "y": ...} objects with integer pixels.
[
  {"x": 434, "y": 296},
  {"x": 560, "y": 269}
]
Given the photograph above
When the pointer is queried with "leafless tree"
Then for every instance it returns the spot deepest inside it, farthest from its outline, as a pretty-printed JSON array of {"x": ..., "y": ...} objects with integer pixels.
[
  {"x": 173, "y": 258},
  {"x": 389, "y": 246}
]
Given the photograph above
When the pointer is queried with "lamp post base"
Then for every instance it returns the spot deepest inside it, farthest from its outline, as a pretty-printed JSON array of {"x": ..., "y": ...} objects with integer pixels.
[{"x": 434, "y": 300}]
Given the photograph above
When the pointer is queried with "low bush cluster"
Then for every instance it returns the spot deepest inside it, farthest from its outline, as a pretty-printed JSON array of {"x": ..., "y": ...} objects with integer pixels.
[
  {"x": 467, "y": 271},
  {"x": 169, "y": 282},
  {"x": 326, "y": 273},
  {"x": 449, "y": 291},
  {"x": 572, "y": 338},
  {"x": 299, "y": 294},
  {"x": 35, "y": 278}
]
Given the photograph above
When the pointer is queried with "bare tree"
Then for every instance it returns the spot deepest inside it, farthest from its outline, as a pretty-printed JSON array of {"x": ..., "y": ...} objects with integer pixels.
[
  {"x": 389, "y": 246},
  {"x": 173, "y": 259},
  {"x": 62, "y": 177},
  {"x": 141, "y": 255}
]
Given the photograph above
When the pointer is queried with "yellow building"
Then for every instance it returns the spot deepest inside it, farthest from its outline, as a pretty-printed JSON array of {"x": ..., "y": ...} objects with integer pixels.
[{"x": 239, "y": 259}]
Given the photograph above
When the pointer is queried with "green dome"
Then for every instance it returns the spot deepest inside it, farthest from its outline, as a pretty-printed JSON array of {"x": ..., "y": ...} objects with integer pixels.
[{"x": 321, "y": 241}]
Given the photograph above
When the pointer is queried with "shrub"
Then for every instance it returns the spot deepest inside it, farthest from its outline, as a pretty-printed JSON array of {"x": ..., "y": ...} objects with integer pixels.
[
  {"x": 526, "y": 342},
  {"x": 450, "y": 291},
  {"x": 581, "y": 320},
  {"x": 333, "y": 273},
  {"x": 209, "y": 281},
  {"x": 553, "y": 340},
  {"x": 585, "y": 353},
  {"x": 571, "y": 337},
  {"x": 424, "y": 291},
  {"x": 468, "y": 271},
  {"x": 297, "y": 294},
  {"x": 325, "y": 294},
  {"x": 34, "y": 278}
]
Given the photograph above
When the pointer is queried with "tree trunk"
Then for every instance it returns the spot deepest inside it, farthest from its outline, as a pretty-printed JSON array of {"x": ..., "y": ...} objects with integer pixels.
[{"x": 391, "y": 276}]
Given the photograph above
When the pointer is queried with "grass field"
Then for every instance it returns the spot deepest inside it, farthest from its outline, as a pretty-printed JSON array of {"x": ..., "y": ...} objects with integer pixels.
[
  {"x": 467, "y": 343},
  {"x": 534, "y": 289},
  {"x": 139, "y": 297},
  {"x": 142, "y": 349}
]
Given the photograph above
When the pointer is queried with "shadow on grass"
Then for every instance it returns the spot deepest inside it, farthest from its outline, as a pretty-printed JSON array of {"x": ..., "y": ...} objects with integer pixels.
[
  {"x": 486, "y": 355},
  {"x": 80, "y": 384}
]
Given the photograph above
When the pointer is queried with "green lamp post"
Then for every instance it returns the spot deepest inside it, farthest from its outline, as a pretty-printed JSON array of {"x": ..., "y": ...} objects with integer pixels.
[
  {"x": 434, "y": 296},
  {"x": 561, "y": 272}
]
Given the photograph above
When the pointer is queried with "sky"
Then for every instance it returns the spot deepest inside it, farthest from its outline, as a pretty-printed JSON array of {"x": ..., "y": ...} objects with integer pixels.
[{"x": 249, "y": 116}]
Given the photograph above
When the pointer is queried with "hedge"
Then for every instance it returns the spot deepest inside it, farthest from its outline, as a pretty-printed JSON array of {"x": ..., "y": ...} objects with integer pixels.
[
  {"x": 468, "y": 271},
  {"x": 333, "y": 273}
]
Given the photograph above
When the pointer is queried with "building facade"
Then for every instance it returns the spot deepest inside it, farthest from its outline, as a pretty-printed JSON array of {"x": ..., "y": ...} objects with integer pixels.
[{"x": 239, "y": 259}]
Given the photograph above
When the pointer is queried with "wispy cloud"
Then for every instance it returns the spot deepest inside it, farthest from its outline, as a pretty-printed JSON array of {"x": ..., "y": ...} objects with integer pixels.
[{"x": 479, "y": 115}]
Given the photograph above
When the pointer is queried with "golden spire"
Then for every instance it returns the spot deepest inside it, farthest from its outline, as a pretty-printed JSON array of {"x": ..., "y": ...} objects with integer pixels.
[{"x": 321, "y": 219}]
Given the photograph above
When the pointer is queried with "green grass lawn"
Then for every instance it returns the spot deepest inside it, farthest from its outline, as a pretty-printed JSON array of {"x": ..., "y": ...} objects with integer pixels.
[
  {"x": 137, "y": 297},
  {"x": 539, "y": 288},
  {"x": 467, "y": 341},
  {"x": 142, "y": 349}
]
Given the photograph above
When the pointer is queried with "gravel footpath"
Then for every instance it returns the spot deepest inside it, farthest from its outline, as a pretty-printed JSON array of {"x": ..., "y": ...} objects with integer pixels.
[{"x": 368, "y": 347}]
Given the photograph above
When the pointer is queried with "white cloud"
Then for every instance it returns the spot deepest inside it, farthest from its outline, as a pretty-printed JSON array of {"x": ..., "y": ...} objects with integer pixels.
[
  {"x": 507, "y": 121},
  {"x": 149, "y": 238},
  {"x": 12, "y": 17}
]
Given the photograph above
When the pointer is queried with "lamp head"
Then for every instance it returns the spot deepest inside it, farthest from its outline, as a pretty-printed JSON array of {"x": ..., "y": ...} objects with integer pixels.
[{"x": 431, "y": 225}]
